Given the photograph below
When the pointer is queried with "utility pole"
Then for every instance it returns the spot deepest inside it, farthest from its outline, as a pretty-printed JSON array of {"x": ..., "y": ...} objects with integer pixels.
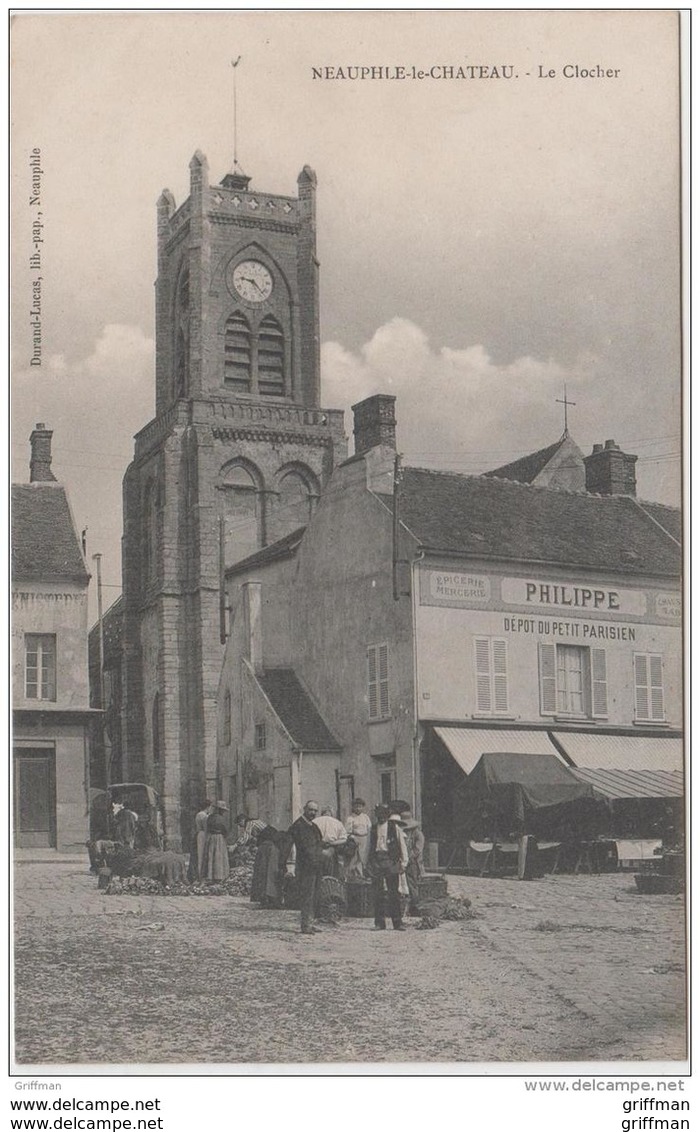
[
  {"x": 395, "y": 528},
  {"x": 234, "y": 64},
  {"x": 223, "y": 627},
  {"x": 97, "y": 559}
]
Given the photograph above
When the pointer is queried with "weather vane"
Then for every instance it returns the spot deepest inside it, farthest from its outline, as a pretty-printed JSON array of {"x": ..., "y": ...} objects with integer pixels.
[
  {"x": 234, "y": 64},
  {"x": 566, "y": 404}
]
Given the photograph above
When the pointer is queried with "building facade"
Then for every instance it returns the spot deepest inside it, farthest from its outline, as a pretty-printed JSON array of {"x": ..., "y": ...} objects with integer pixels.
[
  {"x": 431, "y": 617},
  {"x": 50, "y": 694},
  {"x": 235, "y": 458},
  {"x": 363, "y": 621}
]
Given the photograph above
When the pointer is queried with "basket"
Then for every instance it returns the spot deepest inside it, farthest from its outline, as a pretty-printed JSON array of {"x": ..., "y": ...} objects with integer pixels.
[
  {"x": 331, "y": 899},
  {"x": 658, "y": 884},
  {"x": 431, "y": 889},
  {"x": 360, "y": 900}
]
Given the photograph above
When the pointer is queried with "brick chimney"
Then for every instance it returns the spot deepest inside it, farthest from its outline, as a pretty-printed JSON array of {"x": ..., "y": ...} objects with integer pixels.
[
  {"x": 610, "y": 471},
  {"x": 40, "y": 462},
  {"x": 374, "y": 423}
]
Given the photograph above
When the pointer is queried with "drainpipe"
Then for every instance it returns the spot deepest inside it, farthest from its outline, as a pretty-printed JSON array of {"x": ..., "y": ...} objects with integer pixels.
[{"x": 296, "y": 783}]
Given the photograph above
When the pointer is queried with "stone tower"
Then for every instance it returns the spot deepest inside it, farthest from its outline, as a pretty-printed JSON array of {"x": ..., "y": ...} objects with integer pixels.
[{"x": 238, "y": 436}]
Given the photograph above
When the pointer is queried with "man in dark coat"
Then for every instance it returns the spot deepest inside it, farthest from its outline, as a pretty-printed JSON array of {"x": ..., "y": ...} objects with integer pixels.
[
  {"x": 388, "y": 858},
  {"x": 309, "y": 859}
]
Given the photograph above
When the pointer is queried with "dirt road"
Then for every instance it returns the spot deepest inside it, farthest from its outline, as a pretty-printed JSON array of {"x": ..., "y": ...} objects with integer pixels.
[{"x": 557, "y": 970}]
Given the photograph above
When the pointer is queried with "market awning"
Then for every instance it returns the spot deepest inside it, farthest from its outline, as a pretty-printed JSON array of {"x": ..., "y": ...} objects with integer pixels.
[
  {"x": 517, "y": 791},
  {"x": 468, "y": 744},
  {"x": 619, "y": 784},
  {"x": 621, "y": 752}
]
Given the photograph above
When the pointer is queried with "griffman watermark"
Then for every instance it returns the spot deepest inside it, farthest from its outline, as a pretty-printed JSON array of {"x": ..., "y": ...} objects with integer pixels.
[{"x": 36, "y": 255}]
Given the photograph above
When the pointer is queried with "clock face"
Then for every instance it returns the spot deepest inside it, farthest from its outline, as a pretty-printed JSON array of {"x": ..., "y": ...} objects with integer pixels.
[{"x": 252, "y": 281}]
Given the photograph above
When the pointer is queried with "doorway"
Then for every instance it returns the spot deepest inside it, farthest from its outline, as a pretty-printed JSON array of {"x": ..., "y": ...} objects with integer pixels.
[{"x": 35, "y": 797}]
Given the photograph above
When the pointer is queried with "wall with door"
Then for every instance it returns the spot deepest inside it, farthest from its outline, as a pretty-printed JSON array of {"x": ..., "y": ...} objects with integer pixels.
[{"x": 50, "y": 786}]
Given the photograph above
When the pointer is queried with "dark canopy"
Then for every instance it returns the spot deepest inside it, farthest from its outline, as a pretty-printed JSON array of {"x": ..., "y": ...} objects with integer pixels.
[{"x": 515, "y": 793}]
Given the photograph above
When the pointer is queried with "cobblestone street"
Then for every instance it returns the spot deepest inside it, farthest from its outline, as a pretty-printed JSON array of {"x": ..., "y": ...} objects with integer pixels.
[{"x": 561, "y": 969}]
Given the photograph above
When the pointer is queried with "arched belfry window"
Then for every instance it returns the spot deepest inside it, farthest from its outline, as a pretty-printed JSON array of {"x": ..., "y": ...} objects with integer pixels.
[
  {"x": 238, "y": 353},
  {"x": 270, "y": 358},
  {"x": 255, "y": 356},
  {"x": 293, "y": 500},
  {"x": 242, "y": 509}
]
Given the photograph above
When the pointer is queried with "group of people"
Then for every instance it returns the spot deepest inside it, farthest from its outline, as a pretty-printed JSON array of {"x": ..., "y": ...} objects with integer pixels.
[
  {"x": 388, "y": 851},
  {"x": 209, "y": 853}
]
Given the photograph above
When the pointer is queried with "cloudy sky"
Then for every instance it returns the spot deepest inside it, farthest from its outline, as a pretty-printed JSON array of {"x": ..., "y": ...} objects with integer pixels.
[{"x": 483, "y": 242}]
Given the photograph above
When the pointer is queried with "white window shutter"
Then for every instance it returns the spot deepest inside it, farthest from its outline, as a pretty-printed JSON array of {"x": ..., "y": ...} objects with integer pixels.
[
  {"x": 641, "y": 686},
  {"x": 599, "y": 684},
  {"x": 383, "y": 673},
  {"x": 500, "y": 676},
  {"x": 483, "y": 673},
  {"x": 372, "y": 688},
  {"x": 656, "y": 687},
  {"x": 548, "y": 679},
  {"x": 378, "y": 681}
]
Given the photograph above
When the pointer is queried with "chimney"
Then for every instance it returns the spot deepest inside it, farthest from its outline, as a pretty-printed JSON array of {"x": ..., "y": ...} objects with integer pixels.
[
  {"x": 610, "y": 471},
  {"x": 40, "y": 462},
  {"x": 374, "y": 423}
]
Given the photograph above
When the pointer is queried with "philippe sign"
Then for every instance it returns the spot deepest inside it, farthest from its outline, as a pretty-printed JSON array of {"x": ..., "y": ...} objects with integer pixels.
[
  {"x": 542, "y": 593},
  {"x": 586, "y": 599}
]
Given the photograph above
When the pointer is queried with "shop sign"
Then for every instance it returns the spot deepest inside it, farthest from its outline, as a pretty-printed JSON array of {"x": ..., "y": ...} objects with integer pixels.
[
  {"x": 562, "y": 630},
  {"x": 583, "y": 598},
  {"x": 461, "y": 588},
  {"x": 669, "y": 606}
]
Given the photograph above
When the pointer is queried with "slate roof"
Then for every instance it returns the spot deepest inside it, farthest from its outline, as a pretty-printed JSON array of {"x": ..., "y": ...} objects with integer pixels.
[
  {"x": 670, "y": 518},
  {"x": 283, "y": 548},
  {"x": 296, "y": 711},
  {"x": 484, "y": 517},
  {"x": 45, "y": 544},
  {"x": 527, "y": 468}
]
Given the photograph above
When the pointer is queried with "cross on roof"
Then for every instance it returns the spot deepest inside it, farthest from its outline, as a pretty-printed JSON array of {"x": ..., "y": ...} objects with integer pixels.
[{"x": 563, "y": 401}]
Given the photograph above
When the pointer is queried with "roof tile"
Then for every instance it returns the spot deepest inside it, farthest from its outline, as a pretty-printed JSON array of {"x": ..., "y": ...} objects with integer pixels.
[
  {"x": 295, "y": 710},
  {"x": 494, "y": 518},
  {"x": 44, "y": 540}
]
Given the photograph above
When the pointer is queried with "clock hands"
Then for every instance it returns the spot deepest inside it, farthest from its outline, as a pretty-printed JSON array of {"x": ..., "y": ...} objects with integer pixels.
[
  {"x": 255, "y": 286},
  {"x": 248, "y": 279}
]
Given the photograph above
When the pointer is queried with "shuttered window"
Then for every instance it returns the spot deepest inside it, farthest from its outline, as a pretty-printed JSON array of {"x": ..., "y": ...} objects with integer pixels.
[
  {"x": 648, "y": 687},
  {"x": 599, "y": 684},
  {"x": 378, "y": 681},
  {"x": 573, "y": 681},
  {"x": 491, "y": 673},
  {"x": 40, "y": 666},
  {"x": 238, "y": 353},
  {"x": 271, "y": 358},
  {"x": 548, "y": 679}
]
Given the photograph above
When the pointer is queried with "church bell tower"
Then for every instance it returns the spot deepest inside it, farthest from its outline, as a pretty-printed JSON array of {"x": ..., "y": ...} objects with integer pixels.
[{"x": 239, "y": 442}]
